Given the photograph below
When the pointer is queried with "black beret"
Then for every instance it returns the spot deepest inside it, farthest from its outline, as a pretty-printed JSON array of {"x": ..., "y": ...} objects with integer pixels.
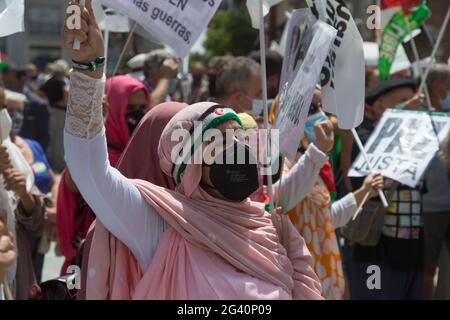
[{"x": 387, "y": 86}]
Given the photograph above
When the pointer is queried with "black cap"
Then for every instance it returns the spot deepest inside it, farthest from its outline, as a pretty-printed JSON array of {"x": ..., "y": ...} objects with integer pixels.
[{"x": 388, "y": 86}]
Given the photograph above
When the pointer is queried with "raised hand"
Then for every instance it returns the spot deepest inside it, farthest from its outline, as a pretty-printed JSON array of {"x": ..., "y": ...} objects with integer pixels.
[
  {"x": 89, "y": 35},
  {"x": 324, "y": 136}
]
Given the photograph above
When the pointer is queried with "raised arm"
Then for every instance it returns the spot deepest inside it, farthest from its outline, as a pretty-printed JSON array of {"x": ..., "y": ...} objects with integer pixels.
[
  {"x": 298, "y": 182},
  {"x": 114, "y": 199}
]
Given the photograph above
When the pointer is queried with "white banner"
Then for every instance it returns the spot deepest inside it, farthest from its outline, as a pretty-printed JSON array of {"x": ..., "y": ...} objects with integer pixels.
[
  {"x": 343, "y": 75},
  {"x": 175, "y": 23},
  {"x": 403, "y": 144},
  {"x": 309, "y": 42},
  {"x": 11, "y": 17}
]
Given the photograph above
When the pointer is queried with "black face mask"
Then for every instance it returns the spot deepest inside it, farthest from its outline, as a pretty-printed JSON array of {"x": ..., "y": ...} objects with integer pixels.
[
  {"x": 235, "y": 180},
  {"x": 133, "y": 119}
]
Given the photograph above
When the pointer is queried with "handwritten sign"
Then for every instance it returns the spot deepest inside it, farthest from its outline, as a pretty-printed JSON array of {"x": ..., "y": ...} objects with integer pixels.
[{"x": 403, "y": 145}]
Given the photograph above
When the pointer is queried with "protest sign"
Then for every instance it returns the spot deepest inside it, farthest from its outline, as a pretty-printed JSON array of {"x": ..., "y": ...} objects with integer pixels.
[
  {"x": 11, "y": 17},
  {"x": 175, "y": 23},
  {"x": 309, "y": 42},
  {"x": 343, "y": 75},
  {"x": 403, "y": 144}
]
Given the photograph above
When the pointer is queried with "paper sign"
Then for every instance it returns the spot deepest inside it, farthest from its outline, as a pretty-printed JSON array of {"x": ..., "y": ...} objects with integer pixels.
[
  {"x": 309, "y": 42},
  {"x": 403, "y": 144},
  {"x": 343, "y": 75}
]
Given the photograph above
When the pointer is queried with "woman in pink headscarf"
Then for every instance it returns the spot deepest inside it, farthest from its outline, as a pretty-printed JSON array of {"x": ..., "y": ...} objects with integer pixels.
[
  {"x": 126, "y": 104},
  {"x": 204, "y": 240},
  {"x": 147, "y": 134}
]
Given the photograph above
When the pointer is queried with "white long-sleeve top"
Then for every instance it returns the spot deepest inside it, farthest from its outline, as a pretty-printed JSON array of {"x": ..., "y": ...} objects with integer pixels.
[{"x": 115, "y": 200}]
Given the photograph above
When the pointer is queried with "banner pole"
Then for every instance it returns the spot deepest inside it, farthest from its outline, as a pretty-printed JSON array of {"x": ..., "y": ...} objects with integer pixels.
[
  {"x": 417, "y": 58},
  {"x": 435, "y": 49},
  {"x": 366, "y": 159},
  {"x": 122, "y": 54},
  {"x": 262, "y": 43}
]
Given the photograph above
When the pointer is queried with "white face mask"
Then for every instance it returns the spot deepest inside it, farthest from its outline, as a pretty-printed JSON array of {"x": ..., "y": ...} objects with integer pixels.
[{"x": 5, "y": 125}]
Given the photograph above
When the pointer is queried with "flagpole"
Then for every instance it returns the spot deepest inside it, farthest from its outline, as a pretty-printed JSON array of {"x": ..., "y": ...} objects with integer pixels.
[
  {"x": 122, "y": 54},
  {"x": 417, "y": 58},
  {"x": 366, "y": 159},
  {"x": 262, "y": 44},
  {"x": 435, "y": 49}
]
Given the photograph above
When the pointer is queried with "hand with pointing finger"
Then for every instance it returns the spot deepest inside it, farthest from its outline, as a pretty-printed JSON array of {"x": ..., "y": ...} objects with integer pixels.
[
  {"x": 324, "y": 136},
  {"x": 90, "y": 37}
]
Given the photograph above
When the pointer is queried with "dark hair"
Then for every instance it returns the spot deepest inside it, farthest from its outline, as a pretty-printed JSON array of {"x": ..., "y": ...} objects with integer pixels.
[{"x": 274, "y": 61}]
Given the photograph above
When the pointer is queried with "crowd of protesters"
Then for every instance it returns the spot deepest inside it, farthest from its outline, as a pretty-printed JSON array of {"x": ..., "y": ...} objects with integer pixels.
[{"x": 87, "y": 163}]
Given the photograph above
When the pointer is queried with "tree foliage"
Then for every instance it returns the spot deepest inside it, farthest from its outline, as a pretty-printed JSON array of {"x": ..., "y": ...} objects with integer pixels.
[{"x": 230, "y": 34}]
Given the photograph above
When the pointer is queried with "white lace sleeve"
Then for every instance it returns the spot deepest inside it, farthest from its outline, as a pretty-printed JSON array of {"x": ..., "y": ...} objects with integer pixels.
[{"x": 84, "y": 118}]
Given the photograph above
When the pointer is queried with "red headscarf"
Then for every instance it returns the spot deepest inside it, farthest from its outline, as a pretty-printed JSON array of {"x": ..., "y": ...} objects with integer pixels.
[{"x": 117, "y": 132}]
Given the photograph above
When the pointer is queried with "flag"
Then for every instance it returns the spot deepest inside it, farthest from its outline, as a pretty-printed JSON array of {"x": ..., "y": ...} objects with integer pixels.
[
  {"x": 395, "y": 29},
  {"x": 11, "y": 17},
  {"x": 253, "y": 7}
]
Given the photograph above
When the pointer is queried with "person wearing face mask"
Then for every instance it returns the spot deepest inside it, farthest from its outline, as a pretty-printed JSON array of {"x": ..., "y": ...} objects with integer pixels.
[
  {"x": 239, "y": 85},
  {"x": 214, "y": 247},
  {"x": 315, "y": 213},
  {"x": 43, "y": 174},
  {"x": 128, "y": 101},
  {"x": 399, "y": 251},
  {"x": 22, "y": 203}
]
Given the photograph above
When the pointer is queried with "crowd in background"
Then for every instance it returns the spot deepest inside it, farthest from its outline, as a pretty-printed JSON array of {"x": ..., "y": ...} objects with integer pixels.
[{"x": 413, "y": 243}]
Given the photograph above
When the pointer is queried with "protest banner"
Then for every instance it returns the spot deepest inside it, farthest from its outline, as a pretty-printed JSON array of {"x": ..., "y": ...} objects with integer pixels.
[
  {"x": 11, "y": 17},
  {"x": 402, "y": 145},
  {"x": 308, "y": 45},
  {"x": 343, "y": 75},
  {"x": 175, "y": 23}
]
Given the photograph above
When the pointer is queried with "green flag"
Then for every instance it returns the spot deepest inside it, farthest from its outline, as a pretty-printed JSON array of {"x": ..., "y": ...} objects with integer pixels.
[{"x": 396, "y": 31}]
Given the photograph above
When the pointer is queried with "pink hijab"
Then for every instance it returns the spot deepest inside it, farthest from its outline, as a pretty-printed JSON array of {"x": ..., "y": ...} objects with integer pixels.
[
  {"x": 214, "y": 249},
  {"x": 117, "y": 133}
]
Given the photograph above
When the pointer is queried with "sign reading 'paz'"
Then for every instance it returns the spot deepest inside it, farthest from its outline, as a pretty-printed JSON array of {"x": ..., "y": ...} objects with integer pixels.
[{"x": 403, "y": 145}]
